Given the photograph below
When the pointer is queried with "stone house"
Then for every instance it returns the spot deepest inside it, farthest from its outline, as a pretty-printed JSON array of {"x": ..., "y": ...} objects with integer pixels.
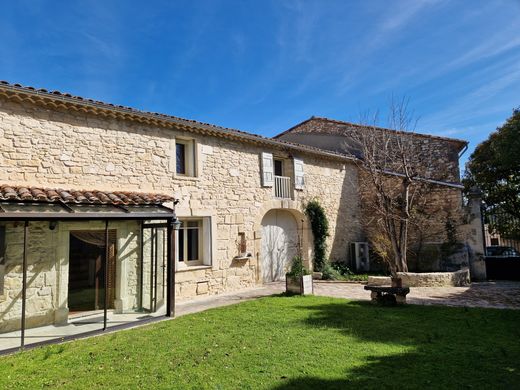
[
  {"x": 91, "y": 193},
  {"x": 435, "y": 159}
]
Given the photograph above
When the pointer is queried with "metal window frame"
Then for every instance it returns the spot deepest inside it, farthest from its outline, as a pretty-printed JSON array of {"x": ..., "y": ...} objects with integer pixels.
[{"x": 28, "y": 217}]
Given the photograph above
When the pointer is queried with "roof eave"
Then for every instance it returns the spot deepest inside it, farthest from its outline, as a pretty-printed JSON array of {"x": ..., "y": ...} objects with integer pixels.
[
  {"x": 460, "y": 142},
  {"x": 57, "y": 100}
]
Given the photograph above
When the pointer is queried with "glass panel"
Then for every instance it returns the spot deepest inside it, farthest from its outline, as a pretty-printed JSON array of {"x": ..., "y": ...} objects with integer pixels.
[
  {"x": 66, "y": 277},
  {"x": 11, "y": 285},
  {"x": 154, "y": 266},
  {"x": 33, "y": 208},
  {"x": 278, "y": 168},
  {"x": 180, "y": 244},
  {"x": 65, "y": 282},
  {"x": 133, "y": 274},
  {"x": 180, "y": 150},
  {"x": 148, "y": 209},
  {"x": 161, "y": 268},
  {"x": 147, "y": 267},
  {"x": 192, "y": 224},
  {"x": 155, "y": 222},
  {"x": 193, "y": 244},
  {"x": 94, "y": 208}
]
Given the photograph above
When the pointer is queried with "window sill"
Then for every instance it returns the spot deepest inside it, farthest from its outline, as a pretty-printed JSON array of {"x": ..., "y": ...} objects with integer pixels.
[
  {"x": 193, "y": 268},
  {"x": 187, "y": 178}
]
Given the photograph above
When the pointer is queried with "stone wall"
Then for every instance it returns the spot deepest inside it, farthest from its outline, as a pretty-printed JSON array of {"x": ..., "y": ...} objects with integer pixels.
[
  {"x": 75, "y": 150},
  {"x": 41, "y": 276},
  {"x": 432, "y": 157},
  {"x": 458, "y": 278},
  {"x": 437, "y": 157}
]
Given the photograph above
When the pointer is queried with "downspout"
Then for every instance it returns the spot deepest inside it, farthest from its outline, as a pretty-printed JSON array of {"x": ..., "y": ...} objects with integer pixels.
[{"x": 463, "y": 150}]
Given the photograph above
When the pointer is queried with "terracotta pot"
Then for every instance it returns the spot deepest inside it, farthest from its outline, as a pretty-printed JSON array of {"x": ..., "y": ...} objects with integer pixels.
[{"x": 397, "y": 282}]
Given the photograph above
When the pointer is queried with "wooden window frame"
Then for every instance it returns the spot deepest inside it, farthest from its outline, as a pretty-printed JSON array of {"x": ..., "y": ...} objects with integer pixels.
[
  {"x": 184, "y": 231},
  {"x": 190, "y": 158}
]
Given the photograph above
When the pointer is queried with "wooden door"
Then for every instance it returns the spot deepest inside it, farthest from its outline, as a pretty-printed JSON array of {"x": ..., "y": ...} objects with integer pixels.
[{"x": 279, "y": 244}]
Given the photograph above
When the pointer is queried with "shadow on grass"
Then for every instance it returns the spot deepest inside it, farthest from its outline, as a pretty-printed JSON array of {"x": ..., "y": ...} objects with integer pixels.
[{"x": 431, "y": 347}]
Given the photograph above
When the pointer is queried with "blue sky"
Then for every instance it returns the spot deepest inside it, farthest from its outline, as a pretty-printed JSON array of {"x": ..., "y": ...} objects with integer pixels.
[{"x": 263, "y": 66}]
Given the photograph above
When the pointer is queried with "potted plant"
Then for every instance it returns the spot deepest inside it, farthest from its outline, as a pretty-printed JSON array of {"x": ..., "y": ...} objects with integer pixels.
[{"x": 298, "y": 280}]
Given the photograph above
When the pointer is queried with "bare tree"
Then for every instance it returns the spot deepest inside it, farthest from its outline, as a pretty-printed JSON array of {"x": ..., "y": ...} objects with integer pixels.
[{"x": 390, "y": 182}]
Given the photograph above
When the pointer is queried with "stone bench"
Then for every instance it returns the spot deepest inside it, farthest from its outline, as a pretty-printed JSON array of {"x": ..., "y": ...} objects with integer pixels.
[{"x": 387, "y": 294}]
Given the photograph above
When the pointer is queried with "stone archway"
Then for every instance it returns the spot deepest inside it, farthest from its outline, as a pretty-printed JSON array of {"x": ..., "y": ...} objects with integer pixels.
[{"x": 280, "y": 242}]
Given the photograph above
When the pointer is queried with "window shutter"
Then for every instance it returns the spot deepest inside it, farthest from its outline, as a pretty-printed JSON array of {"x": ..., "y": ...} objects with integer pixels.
[
  {"x": 298, "y": 174},
  {"x": 267, "y": 170}
]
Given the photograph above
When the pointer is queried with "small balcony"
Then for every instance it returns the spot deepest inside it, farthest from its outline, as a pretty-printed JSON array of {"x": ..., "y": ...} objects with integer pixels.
[{"x": 282, "y": 187}]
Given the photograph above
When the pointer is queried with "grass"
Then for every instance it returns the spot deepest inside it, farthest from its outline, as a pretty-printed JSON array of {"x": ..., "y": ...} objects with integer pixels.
[{"x": 288, "y": 343}]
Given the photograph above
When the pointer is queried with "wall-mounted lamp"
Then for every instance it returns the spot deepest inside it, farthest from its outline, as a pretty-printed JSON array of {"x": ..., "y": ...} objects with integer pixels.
[
  {"x": 52, "y": 225},
  {"x": 176, "y": 224}
]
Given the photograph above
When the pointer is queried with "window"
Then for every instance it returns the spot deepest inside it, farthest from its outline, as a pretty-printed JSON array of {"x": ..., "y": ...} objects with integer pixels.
[
  {"x": 190, "y": 242},
  {"x": 278, "y": 167},
  {"x": 180, "y": 154},
  {"x": 185, "y": 157}
]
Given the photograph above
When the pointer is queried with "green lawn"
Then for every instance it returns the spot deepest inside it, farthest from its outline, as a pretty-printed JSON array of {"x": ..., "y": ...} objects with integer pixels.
[{"x": 288, "y": 343}]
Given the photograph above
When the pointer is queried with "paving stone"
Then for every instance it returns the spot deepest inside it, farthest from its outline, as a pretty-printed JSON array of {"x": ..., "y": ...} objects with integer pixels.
[{"x": 503, "y": 295}]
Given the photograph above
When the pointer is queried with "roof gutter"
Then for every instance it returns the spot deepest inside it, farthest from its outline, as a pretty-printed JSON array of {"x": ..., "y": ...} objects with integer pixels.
[{"x": 426, "y": 180}]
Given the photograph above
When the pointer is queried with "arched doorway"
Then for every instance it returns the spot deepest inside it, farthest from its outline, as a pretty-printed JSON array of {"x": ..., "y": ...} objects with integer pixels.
[{"x": 279, "y": 244}]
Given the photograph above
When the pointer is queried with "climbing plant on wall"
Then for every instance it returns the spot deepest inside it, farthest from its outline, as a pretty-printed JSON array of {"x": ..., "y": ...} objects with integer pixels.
[{"x": 320, "y": 231}]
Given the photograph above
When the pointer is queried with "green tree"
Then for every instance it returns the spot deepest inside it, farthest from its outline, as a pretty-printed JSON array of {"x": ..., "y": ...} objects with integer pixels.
[{"x": 494, "y": 167}]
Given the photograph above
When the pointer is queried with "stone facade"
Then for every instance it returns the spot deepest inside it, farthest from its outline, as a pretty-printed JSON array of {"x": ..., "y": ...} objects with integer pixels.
[
  {"x": 433, "y": 158},
  {"x": 57, "y": 147},
  {"x": 47, "y": 143},
  {"x": 438, "y": 156}
]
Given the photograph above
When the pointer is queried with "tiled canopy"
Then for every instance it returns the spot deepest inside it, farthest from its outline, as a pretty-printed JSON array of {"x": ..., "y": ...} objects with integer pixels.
[{"x": 58, "y": 195}]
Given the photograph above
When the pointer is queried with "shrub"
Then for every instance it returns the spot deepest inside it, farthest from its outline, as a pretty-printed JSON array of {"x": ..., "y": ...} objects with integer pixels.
[
  {"x": 340, "y": 271},
  {"x": 297, "y": 268},
  {"x": 330, "y": 273},
  {"x": 342, "y": 268},
  {"x": 320, "y": 231}
]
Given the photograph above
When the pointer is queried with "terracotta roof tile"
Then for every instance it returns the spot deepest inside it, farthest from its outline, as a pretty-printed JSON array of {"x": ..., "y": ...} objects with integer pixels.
[
  {"x": 172, "y": 119},
  {"x": 334, "y": 126},
  {"x": 55, "y": 195}
]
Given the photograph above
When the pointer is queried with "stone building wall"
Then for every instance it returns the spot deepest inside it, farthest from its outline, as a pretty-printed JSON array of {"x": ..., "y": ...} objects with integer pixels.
[
  {"x": 55, "y": 148},
  {"x": 433, "y": 157},
  {"x": 436, "y": 157},
  {"x": 41, "y": 276}
]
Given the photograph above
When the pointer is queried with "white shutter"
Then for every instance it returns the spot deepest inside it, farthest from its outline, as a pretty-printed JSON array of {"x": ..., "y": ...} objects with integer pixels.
[
  {"x": 298, "y": 174},
  {"x": 267, "y": 170}
]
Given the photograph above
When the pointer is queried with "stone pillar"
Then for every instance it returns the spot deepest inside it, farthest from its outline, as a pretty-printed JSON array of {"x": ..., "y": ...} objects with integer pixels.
[
  {"x": 475, "y": 235},
  {"x": 61, "y": 315}
]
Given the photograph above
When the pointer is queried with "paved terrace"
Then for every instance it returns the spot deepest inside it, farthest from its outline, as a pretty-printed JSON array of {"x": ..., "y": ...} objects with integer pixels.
[{"x": 500, "y": 295}]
